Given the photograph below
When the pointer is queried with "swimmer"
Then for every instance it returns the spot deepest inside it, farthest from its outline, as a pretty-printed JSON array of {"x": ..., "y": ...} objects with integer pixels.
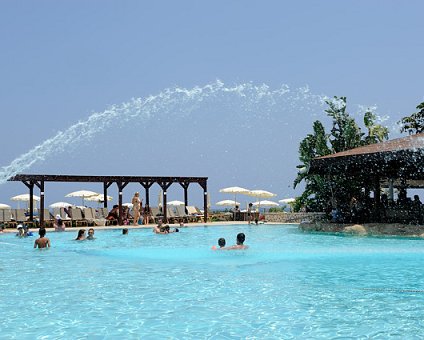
[
  {"x": 21, "y": 231},
  {"x": 221, "y": 243},
  {"x": 90, "y": 234},
  {"x": 58, "y": 224},
  {"x": 240, "y": 243},
  {"x": 160, "y": 228},
  {"x": 42, "y": 241},
  {"x": 81, "y": 235},
  {"x": 125, "y": 231}
]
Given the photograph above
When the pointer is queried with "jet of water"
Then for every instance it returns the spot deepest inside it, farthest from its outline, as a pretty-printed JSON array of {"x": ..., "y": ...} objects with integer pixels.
[{"x": 170, "y": 102}]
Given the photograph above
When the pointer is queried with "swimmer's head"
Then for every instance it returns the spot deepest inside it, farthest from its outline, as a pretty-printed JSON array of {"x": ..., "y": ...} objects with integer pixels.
[
  {"x": 125, "y": 231},
  {"x": 240, "y": 238},
  {"x": 221, "y": 242},
  {"x": 42, "y": 232}
]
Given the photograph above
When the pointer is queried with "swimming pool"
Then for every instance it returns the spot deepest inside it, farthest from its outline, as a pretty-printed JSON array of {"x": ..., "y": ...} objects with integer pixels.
[{"x": 288, "y": 285}]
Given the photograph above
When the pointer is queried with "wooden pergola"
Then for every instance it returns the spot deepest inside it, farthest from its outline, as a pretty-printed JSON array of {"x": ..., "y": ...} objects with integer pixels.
[
  {"x": 394, "y": 163},
  {"x": 121, "y": 181}
]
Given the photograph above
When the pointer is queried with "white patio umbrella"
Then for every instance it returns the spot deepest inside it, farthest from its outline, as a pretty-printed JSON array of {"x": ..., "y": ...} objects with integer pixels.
[
  {"x": 99, "y": 198},
  {"x": 261, "y": 194},
  {"x": 288, "y": 201},
  {"x": 229, "y": 203},
  {"x": 235, "y": 191},
  {"x": 160, "y": 196},
  {"x": 265, "y": 203},
  {"x": 175, "y": 203},
  {"x": 24, "y": 198},
  {"x": 60, "y": 205},
  {"x": 83, "y": 194},
  {"x": 128, "y": 204},
  {"x": 4, "y": 206}
]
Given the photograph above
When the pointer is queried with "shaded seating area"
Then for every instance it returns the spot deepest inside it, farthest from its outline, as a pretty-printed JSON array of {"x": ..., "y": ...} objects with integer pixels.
[
  {"x": 31, "y": 181},
  {"x": 386, "y": 172}
]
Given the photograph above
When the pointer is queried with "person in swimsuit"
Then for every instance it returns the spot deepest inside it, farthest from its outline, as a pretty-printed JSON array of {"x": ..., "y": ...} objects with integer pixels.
[
  {"x": 81, "y": 235},
  {"x": 42, "y": 241},
  {"x": 240, "y": 243},
  {"x": 221, "y": 243},
  {"x": 58, "y": 224},
  {"x": 90, "y": 234},
  {"x": 136, "y": 207}
]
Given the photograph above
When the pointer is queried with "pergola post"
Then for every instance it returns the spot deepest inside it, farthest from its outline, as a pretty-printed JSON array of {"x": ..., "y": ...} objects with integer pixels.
[
  {"x": 30, "y": 186},
  {"x": 146, "y": 185},
  {"x": 40, "y": 185},
  {"x": 185, "y": 187},
  {"x": 121, "y": 185},
  {"x": 204, "y": 185},
  {"x": 164, "y": 186},
  {"x": 106, "y": 185}
]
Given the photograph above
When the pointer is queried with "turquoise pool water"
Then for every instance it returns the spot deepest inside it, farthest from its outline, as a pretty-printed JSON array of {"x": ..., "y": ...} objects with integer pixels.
[{"x": 288, "y": 285}]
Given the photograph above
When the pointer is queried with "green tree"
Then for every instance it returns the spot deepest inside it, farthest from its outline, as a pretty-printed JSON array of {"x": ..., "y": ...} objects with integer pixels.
[
  {"x": 415, "y": 122},
  {"x": 345, "y": 134}
]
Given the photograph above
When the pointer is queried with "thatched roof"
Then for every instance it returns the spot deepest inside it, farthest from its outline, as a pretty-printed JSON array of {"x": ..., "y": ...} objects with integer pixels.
[
  {"x": 410, "y": 143},
  {"x": 397, "y": 158}
]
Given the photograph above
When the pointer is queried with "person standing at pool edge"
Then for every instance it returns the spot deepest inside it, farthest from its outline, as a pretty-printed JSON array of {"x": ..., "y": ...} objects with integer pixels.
[
  {"x": 42, "y": 241},
  {"x": 136, "y": 207}
]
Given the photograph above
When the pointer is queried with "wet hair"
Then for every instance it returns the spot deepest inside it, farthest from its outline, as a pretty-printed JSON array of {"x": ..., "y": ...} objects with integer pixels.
[
  {"x": 221, "y": 242},
  {"x": 42, "y": 232},
  {"x": 125, "y": 231},
  {"x": 240, "y": 238},
  {"x": 91, "y": 229},
  {"x": 177, "y": 230},
  {"x": 80, "y": 233}
]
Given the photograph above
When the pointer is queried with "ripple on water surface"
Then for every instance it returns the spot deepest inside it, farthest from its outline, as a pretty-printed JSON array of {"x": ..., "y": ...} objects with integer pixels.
[{"x": 288, "y": 284}]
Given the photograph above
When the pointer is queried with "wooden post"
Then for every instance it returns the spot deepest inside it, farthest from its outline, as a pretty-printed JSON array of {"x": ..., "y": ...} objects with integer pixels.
[
  {"x": 164, "y": 186},
  {"x": 30, "y": 186},
  {"x": 121, "y": 186},
  {"x": 41, "y": 211},
  {"x": 105, "y": 194}
]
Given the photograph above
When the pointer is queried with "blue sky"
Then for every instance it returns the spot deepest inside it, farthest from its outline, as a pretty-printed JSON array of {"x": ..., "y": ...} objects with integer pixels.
[{"x": 61, "y": 61}]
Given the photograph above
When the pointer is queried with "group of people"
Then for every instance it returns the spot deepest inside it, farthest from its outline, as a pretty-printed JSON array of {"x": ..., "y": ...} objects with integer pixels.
[
  {"x": 138, "y": 211},
  {"x": 164, "y": 228},
  {"x": 239, "y": 243}
]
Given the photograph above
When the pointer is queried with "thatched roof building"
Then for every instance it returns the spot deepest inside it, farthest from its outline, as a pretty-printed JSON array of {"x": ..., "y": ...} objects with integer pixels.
[{"x": 400, "y": 160}]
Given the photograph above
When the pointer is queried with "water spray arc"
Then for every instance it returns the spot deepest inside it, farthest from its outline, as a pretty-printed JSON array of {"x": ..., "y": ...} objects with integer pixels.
[{"x": 171, "y": 101}]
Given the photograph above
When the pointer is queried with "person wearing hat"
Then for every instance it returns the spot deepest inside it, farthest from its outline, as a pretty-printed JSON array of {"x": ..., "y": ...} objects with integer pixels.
[
  {"x": 58, "y": 224},
  {"x": 21, "y": 231}
]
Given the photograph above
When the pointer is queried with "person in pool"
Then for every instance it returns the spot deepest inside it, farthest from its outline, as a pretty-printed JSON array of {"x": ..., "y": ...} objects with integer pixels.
[
  {"x": 42, "y": 241},
  {"x": 90, "y": 234},
  {"x": 160, "y": 228},
  {"x": 81, "y": 235},
  {"x": 240, "y": 243},
  {"x": 58, "y": 224},
  {"x": 221, "y": 243},
  {"x": 125, "y": 231}
]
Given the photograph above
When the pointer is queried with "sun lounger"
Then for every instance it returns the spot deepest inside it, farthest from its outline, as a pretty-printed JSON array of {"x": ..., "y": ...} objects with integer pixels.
[
  {"x": 90, "y": 216},
  {"x": 6, "y": 218},
  {"x": 172, "y": 216},
  {"x": 182, "y": 214},
  {"x": 20, "y": 217},
  {"x": 77, "y": 218},
  {"x": 156, "y": 214},
  {"x": 194, "y": 214}
]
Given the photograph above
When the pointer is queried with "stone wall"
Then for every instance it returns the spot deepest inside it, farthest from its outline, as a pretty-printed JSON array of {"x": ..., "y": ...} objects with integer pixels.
[{"x": 294, "y": 217}]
